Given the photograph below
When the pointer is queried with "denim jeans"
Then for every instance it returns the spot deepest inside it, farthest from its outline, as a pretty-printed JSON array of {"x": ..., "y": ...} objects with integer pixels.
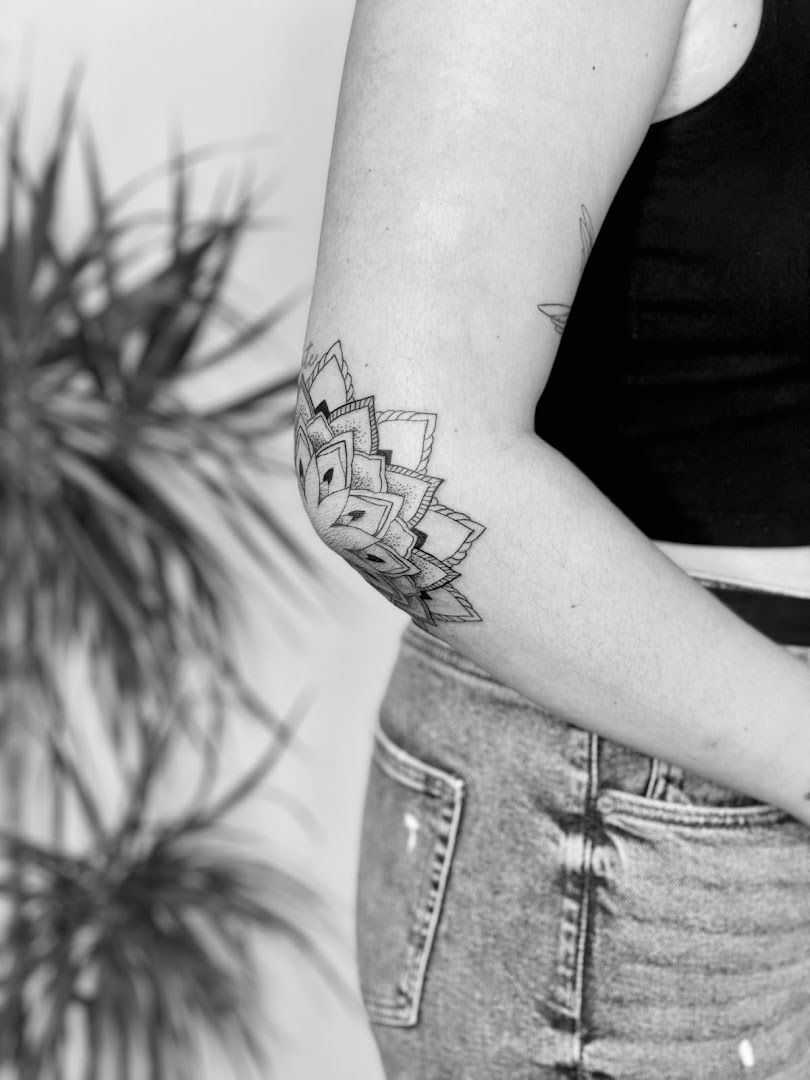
[{"x": 536, "y": 902}]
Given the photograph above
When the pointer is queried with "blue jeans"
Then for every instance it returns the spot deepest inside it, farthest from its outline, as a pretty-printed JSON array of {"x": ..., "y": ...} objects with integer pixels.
[{"x": 537, "y": 902}]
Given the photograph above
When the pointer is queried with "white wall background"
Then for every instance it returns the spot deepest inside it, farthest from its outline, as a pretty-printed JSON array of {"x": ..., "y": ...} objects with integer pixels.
[{"x": 223, "y": 70}]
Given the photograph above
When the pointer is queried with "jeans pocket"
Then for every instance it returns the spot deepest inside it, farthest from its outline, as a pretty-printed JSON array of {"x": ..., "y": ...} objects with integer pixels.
[{"x": 410, "y": 822}]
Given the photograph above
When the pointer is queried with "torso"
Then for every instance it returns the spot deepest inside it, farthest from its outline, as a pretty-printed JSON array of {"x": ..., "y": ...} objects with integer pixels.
[{"x": 715, "y": 42}]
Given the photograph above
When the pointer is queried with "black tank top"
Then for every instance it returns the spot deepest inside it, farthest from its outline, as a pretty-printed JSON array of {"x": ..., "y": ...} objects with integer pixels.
[{"x": 682, "y": 382}]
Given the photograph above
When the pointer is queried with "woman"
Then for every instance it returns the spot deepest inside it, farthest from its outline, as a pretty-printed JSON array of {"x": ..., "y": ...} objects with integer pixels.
[{"x": 585, "y": 848}]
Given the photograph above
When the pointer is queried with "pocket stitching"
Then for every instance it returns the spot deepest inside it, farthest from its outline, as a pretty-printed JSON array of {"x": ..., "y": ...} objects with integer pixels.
[
  {"x": 403, "y": 767},
  {"x": 410, "y": 770},
  {"x": 614, "y": 801}
]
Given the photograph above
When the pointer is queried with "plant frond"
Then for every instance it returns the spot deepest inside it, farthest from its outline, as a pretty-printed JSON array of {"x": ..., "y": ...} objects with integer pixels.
[{"x": 110, "y": 478}]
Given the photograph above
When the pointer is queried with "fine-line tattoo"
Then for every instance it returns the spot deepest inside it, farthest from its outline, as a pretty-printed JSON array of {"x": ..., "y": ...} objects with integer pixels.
[
  {"x": 558, "y": 313},
  {"x": 363, "y": 477}
]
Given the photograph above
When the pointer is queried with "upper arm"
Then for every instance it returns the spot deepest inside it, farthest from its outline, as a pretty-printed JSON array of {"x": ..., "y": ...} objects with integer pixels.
[{"x": 469, "y": 134}]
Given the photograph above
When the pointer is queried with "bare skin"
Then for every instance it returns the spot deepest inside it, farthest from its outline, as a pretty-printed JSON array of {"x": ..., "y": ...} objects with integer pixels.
[
  {"x": 469, "y": 136},
  {"x": 716, "y": 39}
]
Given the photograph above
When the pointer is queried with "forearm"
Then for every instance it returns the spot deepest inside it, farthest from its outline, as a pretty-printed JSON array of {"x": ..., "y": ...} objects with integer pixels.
[
  {"x": 574, "y": 607},
  {"x": 582, "y": 613}
]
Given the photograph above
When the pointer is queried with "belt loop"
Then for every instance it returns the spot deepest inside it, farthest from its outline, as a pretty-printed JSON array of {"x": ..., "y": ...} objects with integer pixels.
[
  {"x": 663, "y": 776},
  {"x": 594, "y": 778},
  {"x": 656, "y": 782}
]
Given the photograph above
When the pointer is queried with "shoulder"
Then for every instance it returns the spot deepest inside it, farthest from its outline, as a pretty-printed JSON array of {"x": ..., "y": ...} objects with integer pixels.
[{"x": 715, "y": 40}]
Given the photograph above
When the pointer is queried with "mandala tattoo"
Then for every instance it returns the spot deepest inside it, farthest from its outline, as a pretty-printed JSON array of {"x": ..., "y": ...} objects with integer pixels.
[
  {"x": 558, "y": 313},
  {"x": 363, "y": 478}
]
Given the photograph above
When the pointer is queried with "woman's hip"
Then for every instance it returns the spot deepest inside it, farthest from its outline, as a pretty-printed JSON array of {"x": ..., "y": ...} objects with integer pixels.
[{"x": 537, "y": 901}]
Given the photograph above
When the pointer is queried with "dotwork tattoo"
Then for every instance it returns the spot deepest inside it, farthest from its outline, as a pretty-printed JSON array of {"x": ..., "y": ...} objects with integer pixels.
[
  {"x": 363, "y": 477},
  {"x": 558, "y": 313}
]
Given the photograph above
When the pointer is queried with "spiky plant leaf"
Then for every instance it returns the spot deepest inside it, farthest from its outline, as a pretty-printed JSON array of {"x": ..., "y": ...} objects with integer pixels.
[
  {"x": 92, "y": 370},
  {"x": 110, "y": 480},
  {"x": 150, "y": 929}
]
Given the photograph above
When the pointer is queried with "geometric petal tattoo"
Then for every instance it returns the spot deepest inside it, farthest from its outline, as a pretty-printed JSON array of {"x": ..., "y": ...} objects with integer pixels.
[{"x": 364, "y": 480}]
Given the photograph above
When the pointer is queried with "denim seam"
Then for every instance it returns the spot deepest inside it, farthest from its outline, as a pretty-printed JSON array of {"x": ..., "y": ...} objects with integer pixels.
[
  {"x": 614, "y": 802},
  {"x": 575, "y": 924},
  {"x": 591, "y": 796},
  {"x": 656, "y": 781},
  {"x": 402, "y": 767}
]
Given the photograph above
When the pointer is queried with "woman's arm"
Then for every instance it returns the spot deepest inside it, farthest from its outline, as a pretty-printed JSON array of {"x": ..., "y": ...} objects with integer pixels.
[{"x": 469, "y": 134}]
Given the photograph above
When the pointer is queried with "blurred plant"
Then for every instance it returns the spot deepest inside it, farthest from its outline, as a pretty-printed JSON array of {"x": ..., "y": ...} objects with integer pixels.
[{"x": 113, "y": 486}]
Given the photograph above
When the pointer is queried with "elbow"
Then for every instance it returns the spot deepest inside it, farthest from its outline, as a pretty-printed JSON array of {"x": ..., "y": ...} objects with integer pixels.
[
  {"x": 344, "y": 519},
  {"x": 357, "y": 520},
  {"x": 365, "y": 485},
  {"x": 341, "y": 474}
]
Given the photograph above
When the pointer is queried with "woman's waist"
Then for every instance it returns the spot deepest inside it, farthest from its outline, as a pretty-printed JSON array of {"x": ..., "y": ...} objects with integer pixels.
[{"x": 444, "y": 710}]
